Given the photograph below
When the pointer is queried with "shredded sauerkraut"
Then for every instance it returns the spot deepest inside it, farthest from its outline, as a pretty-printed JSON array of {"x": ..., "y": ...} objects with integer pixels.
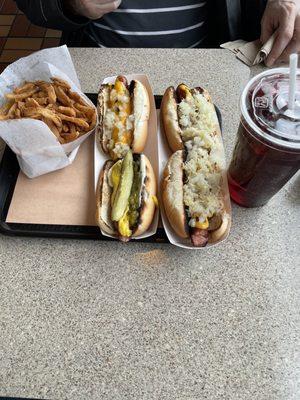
[
  {"x": 196, "y": 116},
  {"x": 205, "y": 161},
  {"x": 109, "y": 119},
  {"x": 120, "y": 149},
  {"x": 116, "y": 116},
  {"x": 115, "y": 96}
]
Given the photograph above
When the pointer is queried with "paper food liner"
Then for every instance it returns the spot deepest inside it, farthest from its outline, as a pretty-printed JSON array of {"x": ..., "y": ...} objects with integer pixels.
[
  {"x": 151, "y": 148},
  {"x": 36, "y": 147},
  {"x": 164, "y": 153}
]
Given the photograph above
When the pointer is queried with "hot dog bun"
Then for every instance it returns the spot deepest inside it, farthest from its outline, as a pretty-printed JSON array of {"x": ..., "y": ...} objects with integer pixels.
[
  {"x": 170, "y": 121},
  {"x": 172, "y": 194},
  {"x": 103, "y": 206},
  {"x": 141, "y": 108},
  {"x": 124, "y": 111},
  {"x": 148, "y": 205},
  {"x": 142, "y": 188}
]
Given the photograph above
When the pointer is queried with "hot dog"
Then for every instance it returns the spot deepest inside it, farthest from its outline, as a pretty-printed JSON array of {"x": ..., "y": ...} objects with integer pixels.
[
  {"x": 181, "y": 108},
  {"x": 192, "y": 188},
  {"x": 126, "y": 196},
  {"x": 123, "y": 117},
  {"x": 193, "y": 204}
]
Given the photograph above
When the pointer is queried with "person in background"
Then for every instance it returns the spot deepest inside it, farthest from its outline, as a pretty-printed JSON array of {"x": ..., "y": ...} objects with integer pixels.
[{"x": 170, "y": 23}]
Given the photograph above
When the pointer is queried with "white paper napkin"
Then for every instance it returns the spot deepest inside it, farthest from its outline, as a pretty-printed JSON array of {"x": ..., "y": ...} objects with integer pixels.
[{"x": 251, "y": 53}]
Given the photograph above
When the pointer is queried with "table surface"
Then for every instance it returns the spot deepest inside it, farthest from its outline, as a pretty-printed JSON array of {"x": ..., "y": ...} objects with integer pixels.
[{"x": 82, "y": 319}]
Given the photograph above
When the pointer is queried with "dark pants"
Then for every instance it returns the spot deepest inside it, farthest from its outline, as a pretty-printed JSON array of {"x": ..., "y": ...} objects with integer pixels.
[{"x": 252, "y": 12}]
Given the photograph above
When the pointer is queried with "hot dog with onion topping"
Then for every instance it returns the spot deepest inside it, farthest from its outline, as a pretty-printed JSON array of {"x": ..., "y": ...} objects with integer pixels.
[
  {"x": 124, "y": 110},
  {"x": 192, "y": 189}
]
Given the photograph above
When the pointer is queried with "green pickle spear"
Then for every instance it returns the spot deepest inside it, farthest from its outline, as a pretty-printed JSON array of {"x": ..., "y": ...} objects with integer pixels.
[{"x": 123, "y": 192}]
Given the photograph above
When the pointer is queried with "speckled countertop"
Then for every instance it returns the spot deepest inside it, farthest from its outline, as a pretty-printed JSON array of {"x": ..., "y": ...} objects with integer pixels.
[{"x": 89, "y": 320}]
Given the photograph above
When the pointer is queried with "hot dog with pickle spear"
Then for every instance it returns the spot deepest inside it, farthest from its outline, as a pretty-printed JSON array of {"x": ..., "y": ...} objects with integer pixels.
[{"x": 126, "y": 196}]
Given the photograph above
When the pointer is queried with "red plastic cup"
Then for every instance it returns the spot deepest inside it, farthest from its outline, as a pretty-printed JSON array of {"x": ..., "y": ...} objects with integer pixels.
[{"x": 267, "y": 150}]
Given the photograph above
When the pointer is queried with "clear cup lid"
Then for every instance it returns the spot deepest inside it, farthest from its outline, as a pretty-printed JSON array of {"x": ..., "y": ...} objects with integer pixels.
[{"x": 264, "y": 105}]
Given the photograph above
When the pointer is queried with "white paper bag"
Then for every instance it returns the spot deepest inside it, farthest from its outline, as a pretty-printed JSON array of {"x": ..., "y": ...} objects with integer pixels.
[{"x": 37, "y": 149}]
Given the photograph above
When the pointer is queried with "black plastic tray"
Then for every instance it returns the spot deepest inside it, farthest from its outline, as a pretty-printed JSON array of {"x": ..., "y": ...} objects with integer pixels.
[{"x": 9, "y": 171}]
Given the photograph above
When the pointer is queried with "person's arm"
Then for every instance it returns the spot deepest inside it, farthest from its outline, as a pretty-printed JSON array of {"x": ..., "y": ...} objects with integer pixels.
[
  {"x": 65, "y": 15},
  {"x": 92, "y": 9},
  {"x": 51, "y": 14},
  {"x": 283, "y": 18}
]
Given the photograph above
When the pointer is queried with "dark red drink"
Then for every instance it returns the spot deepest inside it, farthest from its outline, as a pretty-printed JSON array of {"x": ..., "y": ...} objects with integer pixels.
[{"x": 267, "y": 151}]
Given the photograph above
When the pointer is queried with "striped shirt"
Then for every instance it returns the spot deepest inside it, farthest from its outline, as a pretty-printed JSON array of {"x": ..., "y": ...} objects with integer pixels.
[{"x": 152, "y": 23}]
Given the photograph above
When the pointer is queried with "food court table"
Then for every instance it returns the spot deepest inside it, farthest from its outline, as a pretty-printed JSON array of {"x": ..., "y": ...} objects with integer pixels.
[{"x": 97, "y": 320}]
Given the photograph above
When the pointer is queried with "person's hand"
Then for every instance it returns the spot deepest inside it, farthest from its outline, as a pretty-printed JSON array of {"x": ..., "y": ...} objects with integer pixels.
[
  {"x": 283, "y": 18},
  {"x": 92, "y": 9}
]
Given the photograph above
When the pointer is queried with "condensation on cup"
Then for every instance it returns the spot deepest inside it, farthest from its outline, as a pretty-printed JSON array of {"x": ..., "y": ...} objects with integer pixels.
[{"x": 267, "y": 150}]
